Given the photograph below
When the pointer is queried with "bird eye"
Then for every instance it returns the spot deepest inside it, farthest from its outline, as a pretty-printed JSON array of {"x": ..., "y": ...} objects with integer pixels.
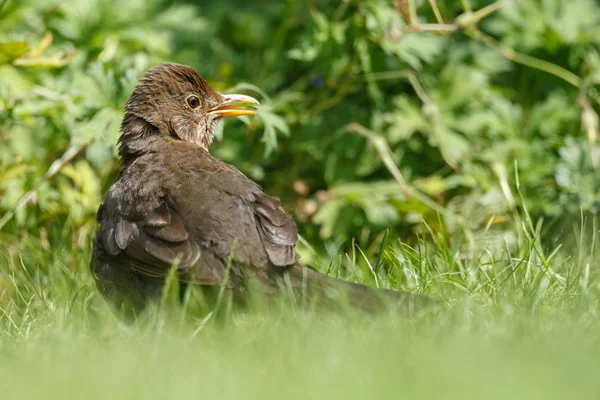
[{"x": 193, "y": 101}]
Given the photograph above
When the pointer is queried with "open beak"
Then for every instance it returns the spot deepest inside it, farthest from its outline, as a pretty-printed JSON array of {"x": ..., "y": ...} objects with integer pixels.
[{"x": 235, "y": 105}]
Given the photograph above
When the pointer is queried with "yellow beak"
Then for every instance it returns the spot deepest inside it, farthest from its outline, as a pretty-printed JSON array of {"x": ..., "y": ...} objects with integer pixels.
[{"x": 235, "y": 105}]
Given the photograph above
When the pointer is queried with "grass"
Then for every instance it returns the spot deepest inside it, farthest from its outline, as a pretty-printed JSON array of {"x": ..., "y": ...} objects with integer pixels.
[{"x": 518, "y": 321}]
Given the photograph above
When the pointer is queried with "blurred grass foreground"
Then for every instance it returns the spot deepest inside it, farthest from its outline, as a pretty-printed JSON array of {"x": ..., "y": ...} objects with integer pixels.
[{"x": 448, "y": 148}]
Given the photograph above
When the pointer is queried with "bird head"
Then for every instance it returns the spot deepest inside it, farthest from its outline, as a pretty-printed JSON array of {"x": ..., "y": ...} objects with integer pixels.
[{"x": 177, "y": 102}]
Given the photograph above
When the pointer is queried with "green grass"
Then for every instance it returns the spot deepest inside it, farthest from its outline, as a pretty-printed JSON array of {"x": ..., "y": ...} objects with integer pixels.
[{"x": 518, "y": 320}]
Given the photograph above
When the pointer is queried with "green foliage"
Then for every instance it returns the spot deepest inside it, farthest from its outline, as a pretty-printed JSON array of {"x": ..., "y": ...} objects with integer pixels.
[
  {"x": 452, "y": 111},
  {"x": 416, "y": 153}
]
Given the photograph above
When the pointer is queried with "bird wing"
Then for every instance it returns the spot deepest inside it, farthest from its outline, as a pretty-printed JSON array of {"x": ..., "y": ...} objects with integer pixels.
[
  {"x": 154, "y": 242},
  {"x": 277, "y": 231}
]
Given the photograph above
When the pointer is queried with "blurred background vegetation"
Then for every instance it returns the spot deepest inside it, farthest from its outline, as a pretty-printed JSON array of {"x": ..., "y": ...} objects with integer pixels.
[
  {"x": 378, "y": 114},
  {"x": 444, "y": 147}
]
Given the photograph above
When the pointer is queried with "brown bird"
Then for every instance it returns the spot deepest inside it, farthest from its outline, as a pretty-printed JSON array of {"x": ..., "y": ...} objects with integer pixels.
[{"x": 176, "y": 206}]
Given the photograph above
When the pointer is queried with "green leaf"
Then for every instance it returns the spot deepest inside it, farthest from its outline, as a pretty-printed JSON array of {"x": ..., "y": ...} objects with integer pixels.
[
  {"x": 273, "y": 124},
  {"x": 10, "y": 51}
]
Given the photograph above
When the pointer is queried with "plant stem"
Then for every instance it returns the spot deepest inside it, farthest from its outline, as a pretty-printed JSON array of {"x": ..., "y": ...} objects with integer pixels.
[
  {"x": 436, "y": 11},
  {"x": 466, "y": 5},
  {"x": 412, "y": 11},
  {"x": 526, "y": 60}
]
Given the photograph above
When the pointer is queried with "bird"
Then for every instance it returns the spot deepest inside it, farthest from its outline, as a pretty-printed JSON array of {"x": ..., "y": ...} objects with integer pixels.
[{"x": 175, "y": 207}]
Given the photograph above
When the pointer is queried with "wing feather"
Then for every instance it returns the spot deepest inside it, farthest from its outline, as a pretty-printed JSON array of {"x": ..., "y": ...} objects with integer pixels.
[
  {"x": 154, "y": 242},
  {"x": 277, "y": 230}
]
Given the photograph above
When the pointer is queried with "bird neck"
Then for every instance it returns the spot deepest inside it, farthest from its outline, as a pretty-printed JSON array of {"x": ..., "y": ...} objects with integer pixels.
[{"x": 138, "y": 137}]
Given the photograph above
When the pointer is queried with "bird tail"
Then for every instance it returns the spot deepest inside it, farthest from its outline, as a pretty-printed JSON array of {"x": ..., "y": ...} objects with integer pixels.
[{"x": 334, "y": 293}]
